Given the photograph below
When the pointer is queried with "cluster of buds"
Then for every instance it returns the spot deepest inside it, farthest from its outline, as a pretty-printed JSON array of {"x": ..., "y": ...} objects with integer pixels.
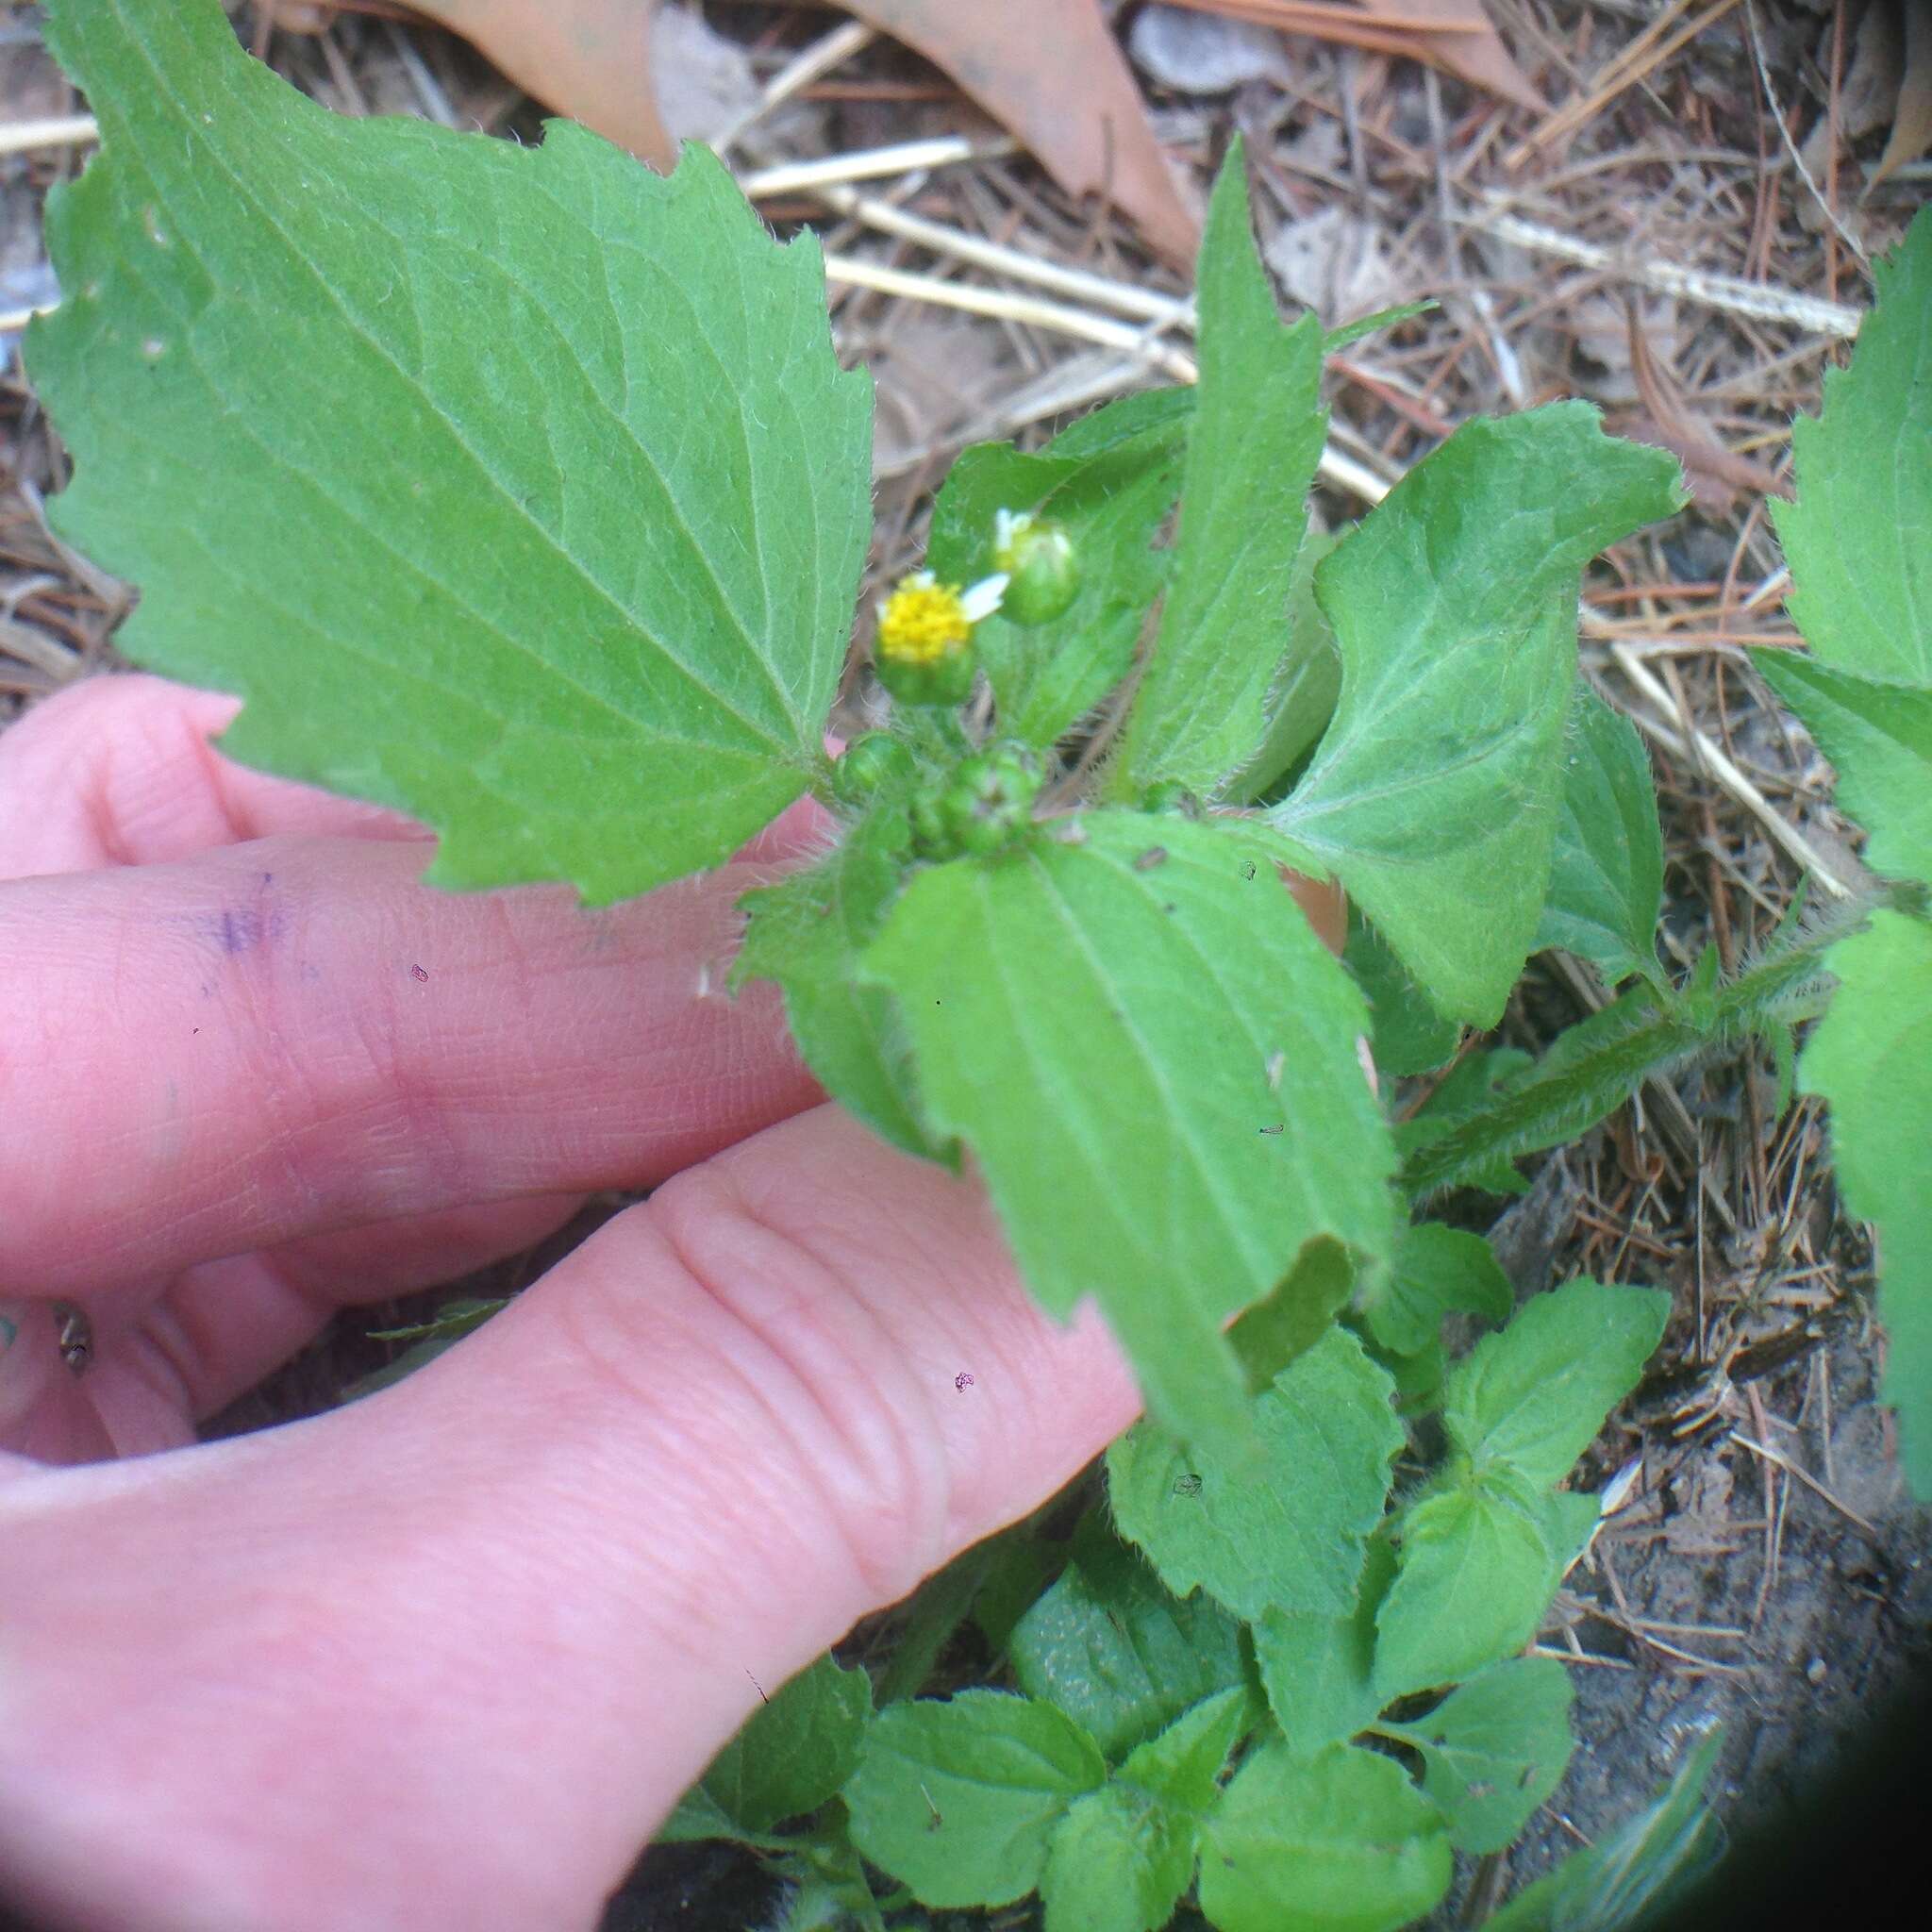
[{"x": 987, "y": 804}]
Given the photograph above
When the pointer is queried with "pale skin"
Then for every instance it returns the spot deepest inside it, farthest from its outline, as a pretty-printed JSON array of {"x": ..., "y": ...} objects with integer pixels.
[{"x": 445, "y": 1656}]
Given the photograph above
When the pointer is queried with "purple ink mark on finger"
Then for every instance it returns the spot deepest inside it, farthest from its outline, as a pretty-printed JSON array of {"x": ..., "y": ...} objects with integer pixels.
[
  {"x": 962, "y": 1381},
  {"x": 417, "y": 973}
]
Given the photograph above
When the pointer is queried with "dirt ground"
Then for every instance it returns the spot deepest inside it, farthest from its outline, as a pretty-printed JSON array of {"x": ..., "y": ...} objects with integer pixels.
[{"x": 1681, "y": 236}]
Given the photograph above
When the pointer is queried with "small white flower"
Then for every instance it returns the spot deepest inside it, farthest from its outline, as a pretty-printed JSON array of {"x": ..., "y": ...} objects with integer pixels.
[{"x": 979, "y": 601}]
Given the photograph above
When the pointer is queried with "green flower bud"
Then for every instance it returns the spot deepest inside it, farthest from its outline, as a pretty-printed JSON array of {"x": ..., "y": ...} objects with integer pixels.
[
  {"x": 990, "y": 801},
  {"x": 1036, "y": 555},
  {"x": 874, "y": 761}
]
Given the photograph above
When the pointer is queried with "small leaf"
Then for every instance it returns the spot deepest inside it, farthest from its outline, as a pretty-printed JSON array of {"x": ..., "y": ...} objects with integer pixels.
[
  {"x": 1110, "y": 483},
  {"x": 1859, "y": 538},
  {"x": 1340, "y": 1844},
  {"x": 1879, "y": 737},
  {"x": 1119, "y": 1861},
  {"x": 1495, "y": 1748},
  {"x": 1472, "y": 1583},
  {"x": 1183, "y": 1765},
  {"x": 1533, "y": 1398},
  {"x": 1288, "y": 1532},
  {"x": 1296, "y": 1315},
  {"x": 1607, "y": 873},
  {"x": 1319, "y": 1672},
  {"x": 1570, "y": 1519},
  {"x": 1433, "y": 797},
  {"x": 959, "y": 1800},
  {"x": 1302, "y": 699},
  {"x": 795, "y": 1751},
  {"x": 1872, "y": 1059},
  {"x": 1121, "y": 1857},
  {"x": 1120, "y": 1654},
  {"x": 1153, "y": 1059},
  {"x": 569, "y": 493},
  {"x": 1408, "y": 1033},
  {"x": 1257, "y": 436},
  {"x": 1437, "y": 1269},
  {"x": 806, "y": 933}
]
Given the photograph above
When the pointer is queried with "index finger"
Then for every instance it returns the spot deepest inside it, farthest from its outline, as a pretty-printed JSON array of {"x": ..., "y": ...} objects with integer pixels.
[{"x": 291, "y": 1036}]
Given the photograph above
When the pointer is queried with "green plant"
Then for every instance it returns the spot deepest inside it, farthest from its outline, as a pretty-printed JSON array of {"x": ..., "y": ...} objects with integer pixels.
[{"x": 588, "y": 423}]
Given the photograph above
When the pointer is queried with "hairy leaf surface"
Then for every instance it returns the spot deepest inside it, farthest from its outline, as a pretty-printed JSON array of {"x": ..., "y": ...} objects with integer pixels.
[
  {"x": 1121, "y": 1857},
  {"x": 1343, "y": 1843},
  {"x": 1122, "y": 1655},
  {"x": 1493, "y": 1750},
  {"x": 1437, "y": 1269},
  {"x": 1872, "y": 1058},
  {"x": 1472, "y": 1583},
  {"x": 806, "y": 933},
  {"x": 1879, "y": 737},
  {"x": 1320, "y": 1671},
  {"x": 1607, "y": 872},
  {"x": 517, "y": 488},
  {"x": 1288, "y": 1532},
  {"x": 1153, "y": 1059},
  {"x": 1433, "y": 796},
  {"x": 1858, "y": 538},
  {"x": 959, "y": 1799},
  {"x": 1256, "y": 438},
  {"x": 1533, "y": 1396}
]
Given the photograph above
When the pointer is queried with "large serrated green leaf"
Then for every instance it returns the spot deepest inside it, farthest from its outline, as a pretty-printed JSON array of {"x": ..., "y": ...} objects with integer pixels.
[
  {"x": 806, "y": 933},
  {"x": 1533, "y": 1398},
  {"x": 1495, "y": 1748},
  {"x": 1287, "y": 1532},
  {"x": 517, "y": 488},
  {"x": 1858, "y": 538},
  {"x": 1256, "y": 438},
  {"x": 1607, "y": 871},
  {"x": 1343, "y": 1843},
  {"x": 1110, "y": 483},
  {"x": 959, "y": 1800},
  {"x": 1879, "y": 737},
  {"x": 1433, "y": 795},
  {"x": 1872, "y": 1059},
  {"x": 1153, "y": 1059}
]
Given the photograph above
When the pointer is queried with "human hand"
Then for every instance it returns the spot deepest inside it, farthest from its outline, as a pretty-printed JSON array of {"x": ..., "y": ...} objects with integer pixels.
[{"x": 445, "y": 1656}]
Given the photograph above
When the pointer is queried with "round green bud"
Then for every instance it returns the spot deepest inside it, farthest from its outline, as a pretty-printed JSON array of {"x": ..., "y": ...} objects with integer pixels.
[
  {"x": 990, "y": 801},
  {"x": 1042, "y": 573},
  {"x": 874, "y": 761},
  {"x": 931, "y": 835}
]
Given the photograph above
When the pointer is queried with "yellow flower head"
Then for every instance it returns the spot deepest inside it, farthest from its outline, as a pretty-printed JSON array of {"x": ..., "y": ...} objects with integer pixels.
[{"x": 925, "y": 622}]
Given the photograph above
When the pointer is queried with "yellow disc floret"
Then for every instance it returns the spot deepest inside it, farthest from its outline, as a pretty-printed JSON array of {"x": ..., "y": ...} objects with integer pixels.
[{"x": 923, "y": 622}]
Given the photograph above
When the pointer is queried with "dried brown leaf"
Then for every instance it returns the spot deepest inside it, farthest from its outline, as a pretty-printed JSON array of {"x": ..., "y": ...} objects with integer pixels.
[
  {"x": 1911, "y": 123},
  {"x": 1052, "y": 73},
  {"x": 587, "y": 59},
  {"x": 1455, "y": 36},
  {"x": 1718, "y": 476}
]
